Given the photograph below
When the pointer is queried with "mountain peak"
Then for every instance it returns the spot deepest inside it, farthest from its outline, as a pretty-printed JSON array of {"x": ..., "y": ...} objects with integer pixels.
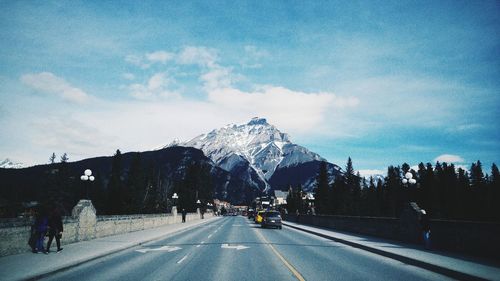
[
  {"x": 256, "y": 148},
  {"x": 258, "y": 121}
]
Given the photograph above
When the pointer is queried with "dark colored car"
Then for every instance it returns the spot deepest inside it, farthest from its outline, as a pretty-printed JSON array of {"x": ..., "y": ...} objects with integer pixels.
[
  {"x": 251, "y": 213},
  {"x": 271, "y": 219}
]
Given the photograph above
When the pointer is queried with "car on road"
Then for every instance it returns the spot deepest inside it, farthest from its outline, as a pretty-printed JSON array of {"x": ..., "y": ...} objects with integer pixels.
[
  {"x": 271, "y": 219},
  {"x": 251, "y": 213}
]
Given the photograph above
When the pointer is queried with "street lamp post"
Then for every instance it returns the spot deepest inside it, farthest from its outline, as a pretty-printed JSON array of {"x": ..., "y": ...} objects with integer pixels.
[
  {"x": 174, "y": 207},
  {"x": 198, "y": 203},
  {"x": 409, "y": 179},
  {"x": 87, "y": 176},
  {"x": 409, "y": 192}
]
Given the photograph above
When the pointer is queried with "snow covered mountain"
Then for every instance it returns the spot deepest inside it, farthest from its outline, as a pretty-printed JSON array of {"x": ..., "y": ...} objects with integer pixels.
[
  {"x": 8, "y": 164},
  {"x": 252, "y": 151}
]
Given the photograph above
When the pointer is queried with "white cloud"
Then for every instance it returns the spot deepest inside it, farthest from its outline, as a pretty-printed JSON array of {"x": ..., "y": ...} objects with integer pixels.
[
  {"x": 343, "y": 102},
  {"x": 190, "y": 55},
  {"x": 76, "y": 137},
  {"x": 160, "y": 56},
  {"x": 255, "y": 51},
  {"x": 449, "y": 158},
  {"x": 252, "y": 57},
  {"x": 49, "y": 83},
  {"x": 148, "y": 125},
  {"x": 145, "y": 61},
  {"x": 289, "y": 109},
  {"x": 128, "y": 76},
  {"x": 158, "y": 86},
  {"x": 466, "y": 128},
  {"x": 217, "y": 78},
  {"x": 198, "y": 55},
  {"x": 136, "y": 60}
]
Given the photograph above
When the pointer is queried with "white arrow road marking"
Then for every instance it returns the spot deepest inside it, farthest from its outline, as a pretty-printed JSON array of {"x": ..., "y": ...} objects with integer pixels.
[
  {"x": 164, "y": 248},
  {"x": 237, "y": 247}
]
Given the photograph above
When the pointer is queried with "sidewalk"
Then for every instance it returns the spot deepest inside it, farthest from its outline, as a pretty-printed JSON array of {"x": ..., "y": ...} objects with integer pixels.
[
  {"x": 452, "y": 265},
  {"x": 31, "y": 266}
]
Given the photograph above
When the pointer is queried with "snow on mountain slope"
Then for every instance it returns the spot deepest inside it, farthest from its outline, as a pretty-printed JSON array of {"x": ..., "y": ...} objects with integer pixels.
[
  {"x": 8, "y": 164},
  {"x": 258, "y": 142}
]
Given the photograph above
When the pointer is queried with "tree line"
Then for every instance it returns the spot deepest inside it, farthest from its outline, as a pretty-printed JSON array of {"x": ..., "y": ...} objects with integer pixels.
[
  {"x": 444, "y": 191},
  {"x": 141, "y": 187}
]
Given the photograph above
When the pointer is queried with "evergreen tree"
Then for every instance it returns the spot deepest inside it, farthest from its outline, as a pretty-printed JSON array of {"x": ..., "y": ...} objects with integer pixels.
[
  {"x": 450, "y": 191},
  {"x": 115, "y": 185},
  {"x": 321, "y": 192},
  {"x": 394, "y": 203},
  {"x": 463, "y": 203},
  {"x": 405, "y": 168},
  {"x": 476, "y": 175},
  {"x": 294, "y": 200},
  {"x": 368, "y": 205},
  {"x": 495, "y": 191},
  {"x": 437, "y": 191},
  {"x": 52, "y": 158},
  {"x": 380, "y": 197},
  {"x": 338, "y": 194},
  {"x": 351, "y": 198},
  {"x": 197, "y": 185},
  {"x": 64, "y": 158},
  {"x": 59, "y": 187},
  {"x": 478, "y": 192},
  {"x": 136, "y": 185}
]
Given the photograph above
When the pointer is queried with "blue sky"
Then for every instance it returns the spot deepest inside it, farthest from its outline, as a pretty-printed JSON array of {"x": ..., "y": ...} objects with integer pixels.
[{"x": 383, "y": 82}]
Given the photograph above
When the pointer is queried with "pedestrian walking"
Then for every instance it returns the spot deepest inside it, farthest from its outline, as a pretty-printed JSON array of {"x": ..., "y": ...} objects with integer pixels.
[
  {"x": 184, "y": 215},
  {"x": 41, "y": 225},
  {"x": 426, "y": 228},
  {"x": 55, "y": 229},
  {"x": 33, "y": 235}
]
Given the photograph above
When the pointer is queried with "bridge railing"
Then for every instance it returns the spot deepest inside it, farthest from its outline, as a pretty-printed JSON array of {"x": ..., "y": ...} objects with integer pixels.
[
  {"x": 480, "y": 239},
  {"x": 83, "y": 225}
]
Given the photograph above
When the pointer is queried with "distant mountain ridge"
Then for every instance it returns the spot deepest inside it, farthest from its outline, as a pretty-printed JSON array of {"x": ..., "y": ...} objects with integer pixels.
[
  {"x": 244, "y": 162},
  {"x": 260, "y": 154},
  {"x": 170, "y": 164},
  {"x": 9, "y": 164}
]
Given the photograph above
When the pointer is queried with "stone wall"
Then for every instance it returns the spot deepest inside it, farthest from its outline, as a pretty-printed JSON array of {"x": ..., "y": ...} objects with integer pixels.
[
  {"x": 473, "y": 238},
  {"x": 83, "y": 225}
]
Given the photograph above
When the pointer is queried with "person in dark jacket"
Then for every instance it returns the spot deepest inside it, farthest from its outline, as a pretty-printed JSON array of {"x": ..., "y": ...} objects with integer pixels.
[
  {"x": 41, "y": 225},
  {"x": 33, "y": 234},
  {"x": 184, "y": 215},
  {"x": 55, "y": 229}
]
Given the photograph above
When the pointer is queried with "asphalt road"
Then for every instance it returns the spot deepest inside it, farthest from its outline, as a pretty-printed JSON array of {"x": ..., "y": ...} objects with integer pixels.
[{"x": 234, "y": 248}]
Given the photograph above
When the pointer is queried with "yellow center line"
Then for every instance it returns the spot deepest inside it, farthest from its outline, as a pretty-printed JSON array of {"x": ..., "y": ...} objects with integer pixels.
[{"x": 285, "y": 262}]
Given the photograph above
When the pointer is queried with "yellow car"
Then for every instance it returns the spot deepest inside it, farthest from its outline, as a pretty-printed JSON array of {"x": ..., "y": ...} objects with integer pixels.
[{"x": 259, "y": 216}]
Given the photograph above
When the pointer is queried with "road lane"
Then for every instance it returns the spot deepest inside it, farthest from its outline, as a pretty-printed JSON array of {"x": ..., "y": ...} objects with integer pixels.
[
  {"x": 234, "y": 248},
  {"x": 133, "y": 265},
  {"x": 201, "y": 257},
  {"x": 213, "y": 261},
  {"x": 318, "y": 258}
]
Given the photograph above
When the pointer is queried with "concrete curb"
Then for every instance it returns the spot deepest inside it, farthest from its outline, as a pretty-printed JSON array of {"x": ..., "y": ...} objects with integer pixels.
[
  {"x": 114, "y": 251},
  {"x": 408, "y": 260}
]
